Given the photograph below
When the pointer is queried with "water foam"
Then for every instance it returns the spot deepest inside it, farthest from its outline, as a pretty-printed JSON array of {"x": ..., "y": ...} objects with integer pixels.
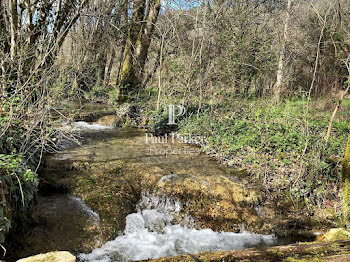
[
  {"x": 150, "y": 233},
  {"x": 85, "y": 208},
  {"x": 82, "y": 125}
]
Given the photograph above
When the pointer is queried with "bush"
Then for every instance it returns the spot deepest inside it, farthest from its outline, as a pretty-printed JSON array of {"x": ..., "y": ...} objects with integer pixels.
[{"x": 18, "y": 188}]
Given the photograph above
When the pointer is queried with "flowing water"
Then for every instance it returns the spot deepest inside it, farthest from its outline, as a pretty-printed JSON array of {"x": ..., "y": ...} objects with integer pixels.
[
  {"x": 160, "y": 225},
  {"x": 150, "y": 233}
]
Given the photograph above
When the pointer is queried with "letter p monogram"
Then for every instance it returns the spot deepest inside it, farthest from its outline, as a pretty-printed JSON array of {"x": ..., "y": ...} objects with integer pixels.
[{"x": 172, "y": 115}]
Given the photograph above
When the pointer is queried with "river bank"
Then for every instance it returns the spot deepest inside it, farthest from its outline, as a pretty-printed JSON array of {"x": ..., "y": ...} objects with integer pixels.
[
  {"x": 112, "y": 170},
  {"x": 115, "y": 168}
]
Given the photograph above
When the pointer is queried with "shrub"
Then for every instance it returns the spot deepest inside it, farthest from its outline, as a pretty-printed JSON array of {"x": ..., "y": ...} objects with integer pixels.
[{"x": 18, "y": 188}]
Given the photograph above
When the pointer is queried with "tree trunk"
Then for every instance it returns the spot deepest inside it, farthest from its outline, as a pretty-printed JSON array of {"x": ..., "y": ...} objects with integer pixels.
[
  {"x": 13, "y": 27},
  {"x": 281, "y": 62},
  {"x": 144, "y": 39},
  {"x": 154, "y": 70},
  {"x": 29, "y": 22},
  {"x": 136, "y": 48},
  {"x": 101, "y": 60},
  {"x": 109, "y": 68},
  {"x": 160, "y": 72},
  {"x": 127, "y": 73},
  {"x": 124, "y": 36},
  {"x": 345, "y": 187},
  {"x": 4, "y": 43}
]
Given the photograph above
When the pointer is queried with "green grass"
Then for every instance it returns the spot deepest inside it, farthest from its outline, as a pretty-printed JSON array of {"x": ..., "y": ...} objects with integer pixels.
[{"x": 281, "y": 145}]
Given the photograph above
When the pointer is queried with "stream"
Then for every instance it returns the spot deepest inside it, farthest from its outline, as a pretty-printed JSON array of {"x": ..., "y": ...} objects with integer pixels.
[
  {"x": 178, "y": 200},
  {"x": 150, "y": 233}
]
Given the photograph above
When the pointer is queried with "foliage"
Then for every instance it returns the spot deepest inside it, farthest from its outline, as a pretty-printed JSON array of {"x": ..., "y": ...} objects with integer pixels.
[
  {"x": 24, "y": 133},
  {"x": 336, "y": 234},
  {"x": 282, "y": 146},
  {"x": 18, "y": 188}
]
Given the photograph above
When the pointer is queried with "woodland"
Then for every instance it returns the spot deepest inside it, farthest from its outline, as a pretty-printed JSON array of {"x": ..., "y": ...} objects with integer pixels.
[{"x": 265, "y": 82}]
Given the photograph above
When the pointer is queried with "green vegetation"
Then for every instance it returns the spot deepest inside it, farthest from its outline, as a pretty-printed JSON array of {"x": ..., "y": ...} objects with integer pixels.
[
  {"x": 282, "y": 146},
  {"x": 18, "y": 186},
  {"x": 20, "y": 148},
  {"x": 336, "y": 234}
]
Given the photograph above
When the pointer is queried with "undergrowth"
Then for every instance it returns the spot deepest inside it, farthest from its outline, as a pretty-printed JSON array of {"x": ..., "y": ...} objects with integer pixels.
[
  {"x": 18, "y": 187},
  {"x": 282, "y": 146},
  {"x": 21, "y": 141}
]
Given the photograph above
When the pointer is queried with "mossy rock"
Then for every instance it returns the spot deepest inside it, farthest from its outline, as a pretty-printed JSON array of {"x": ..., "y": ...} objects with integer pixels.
[{"x": 336, "y": 234}]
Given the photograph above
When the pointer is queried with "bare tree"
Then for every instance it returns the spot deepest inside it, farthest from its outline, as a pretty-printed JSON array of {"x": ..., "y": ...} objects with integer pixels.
[{"x": 281, "y": 62}]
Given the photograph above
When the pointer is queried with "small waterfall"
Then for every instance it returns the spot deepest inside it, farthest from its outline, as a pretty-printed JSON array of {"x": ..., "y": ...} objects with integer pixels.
[
  {"x": 94, "y": 218},
  {"x": 152, "y": 232},
  {"x": 85, "y": 208}
]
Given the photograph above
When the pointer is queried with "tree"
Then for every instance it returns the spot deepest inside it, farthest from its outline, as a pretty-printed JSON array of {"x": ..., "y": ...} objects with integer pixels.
[
  {"x": 31, "y": 34},
  {"x": 282, "y": 56},
  {"x": 137, "y": 45},
  {"x": 30, "y": 42},
  {"x": 346, "y": 184}
]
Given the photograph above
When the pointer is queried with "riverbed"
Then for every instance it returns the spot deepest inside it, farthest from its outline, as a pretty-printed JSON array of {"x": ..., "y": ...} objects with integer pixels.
[{"x": 129, "y": 197}]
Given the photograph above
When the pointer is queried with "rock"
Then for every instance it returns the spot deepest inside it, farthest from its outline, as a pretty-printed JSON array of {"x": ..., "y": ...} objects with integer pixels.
[
  {"x": 56, "y": 256},
  {"x": 110, "y": 120},
  {"x": 331, "y": 251},
  {"x": 336, "y": 234}
]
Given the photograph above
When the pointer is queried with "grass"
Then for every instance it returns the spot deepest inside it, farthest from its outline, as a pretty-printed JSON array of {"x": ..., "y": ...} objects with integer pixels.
[{"x": 281, "y": 146}]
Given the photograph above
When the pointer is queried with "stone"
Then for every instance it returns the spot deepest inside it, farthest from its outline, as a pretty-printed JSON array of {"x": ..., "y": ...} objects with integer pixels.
[
  {"x": 336, "y": 234},
  {"x": 56, "y": 256},
  {"x": 110, "y": 120}
]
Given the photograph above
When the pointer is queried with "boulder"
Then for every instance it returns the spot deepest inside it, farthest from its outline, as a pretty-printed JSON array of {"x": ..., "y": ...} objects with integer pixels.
[
  {"x": 56, "y": 256},
  {"x": 336, "y": 234}
]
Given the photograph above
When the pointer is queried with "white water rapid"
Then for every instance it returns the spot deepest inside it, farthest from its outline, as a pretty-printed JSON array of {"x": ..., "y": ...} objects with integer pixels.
[{"x": 151, "y": 233}]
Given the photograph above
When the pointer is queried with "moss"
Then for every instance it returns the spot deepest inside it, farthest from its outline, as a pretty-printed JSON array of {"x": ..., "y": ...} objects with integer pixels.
[
  {"x": 345, "y": 188},
  {"x": 291, "y": 259},
  {"x": 336, "y": 234},
  {"x": 277, "y": 253}
]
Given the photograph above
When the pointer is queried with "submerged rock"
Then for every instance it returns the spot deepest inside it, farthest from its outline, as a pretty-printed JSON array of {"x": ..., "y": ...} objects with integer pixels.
[{"x": 56, "y": 256}]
